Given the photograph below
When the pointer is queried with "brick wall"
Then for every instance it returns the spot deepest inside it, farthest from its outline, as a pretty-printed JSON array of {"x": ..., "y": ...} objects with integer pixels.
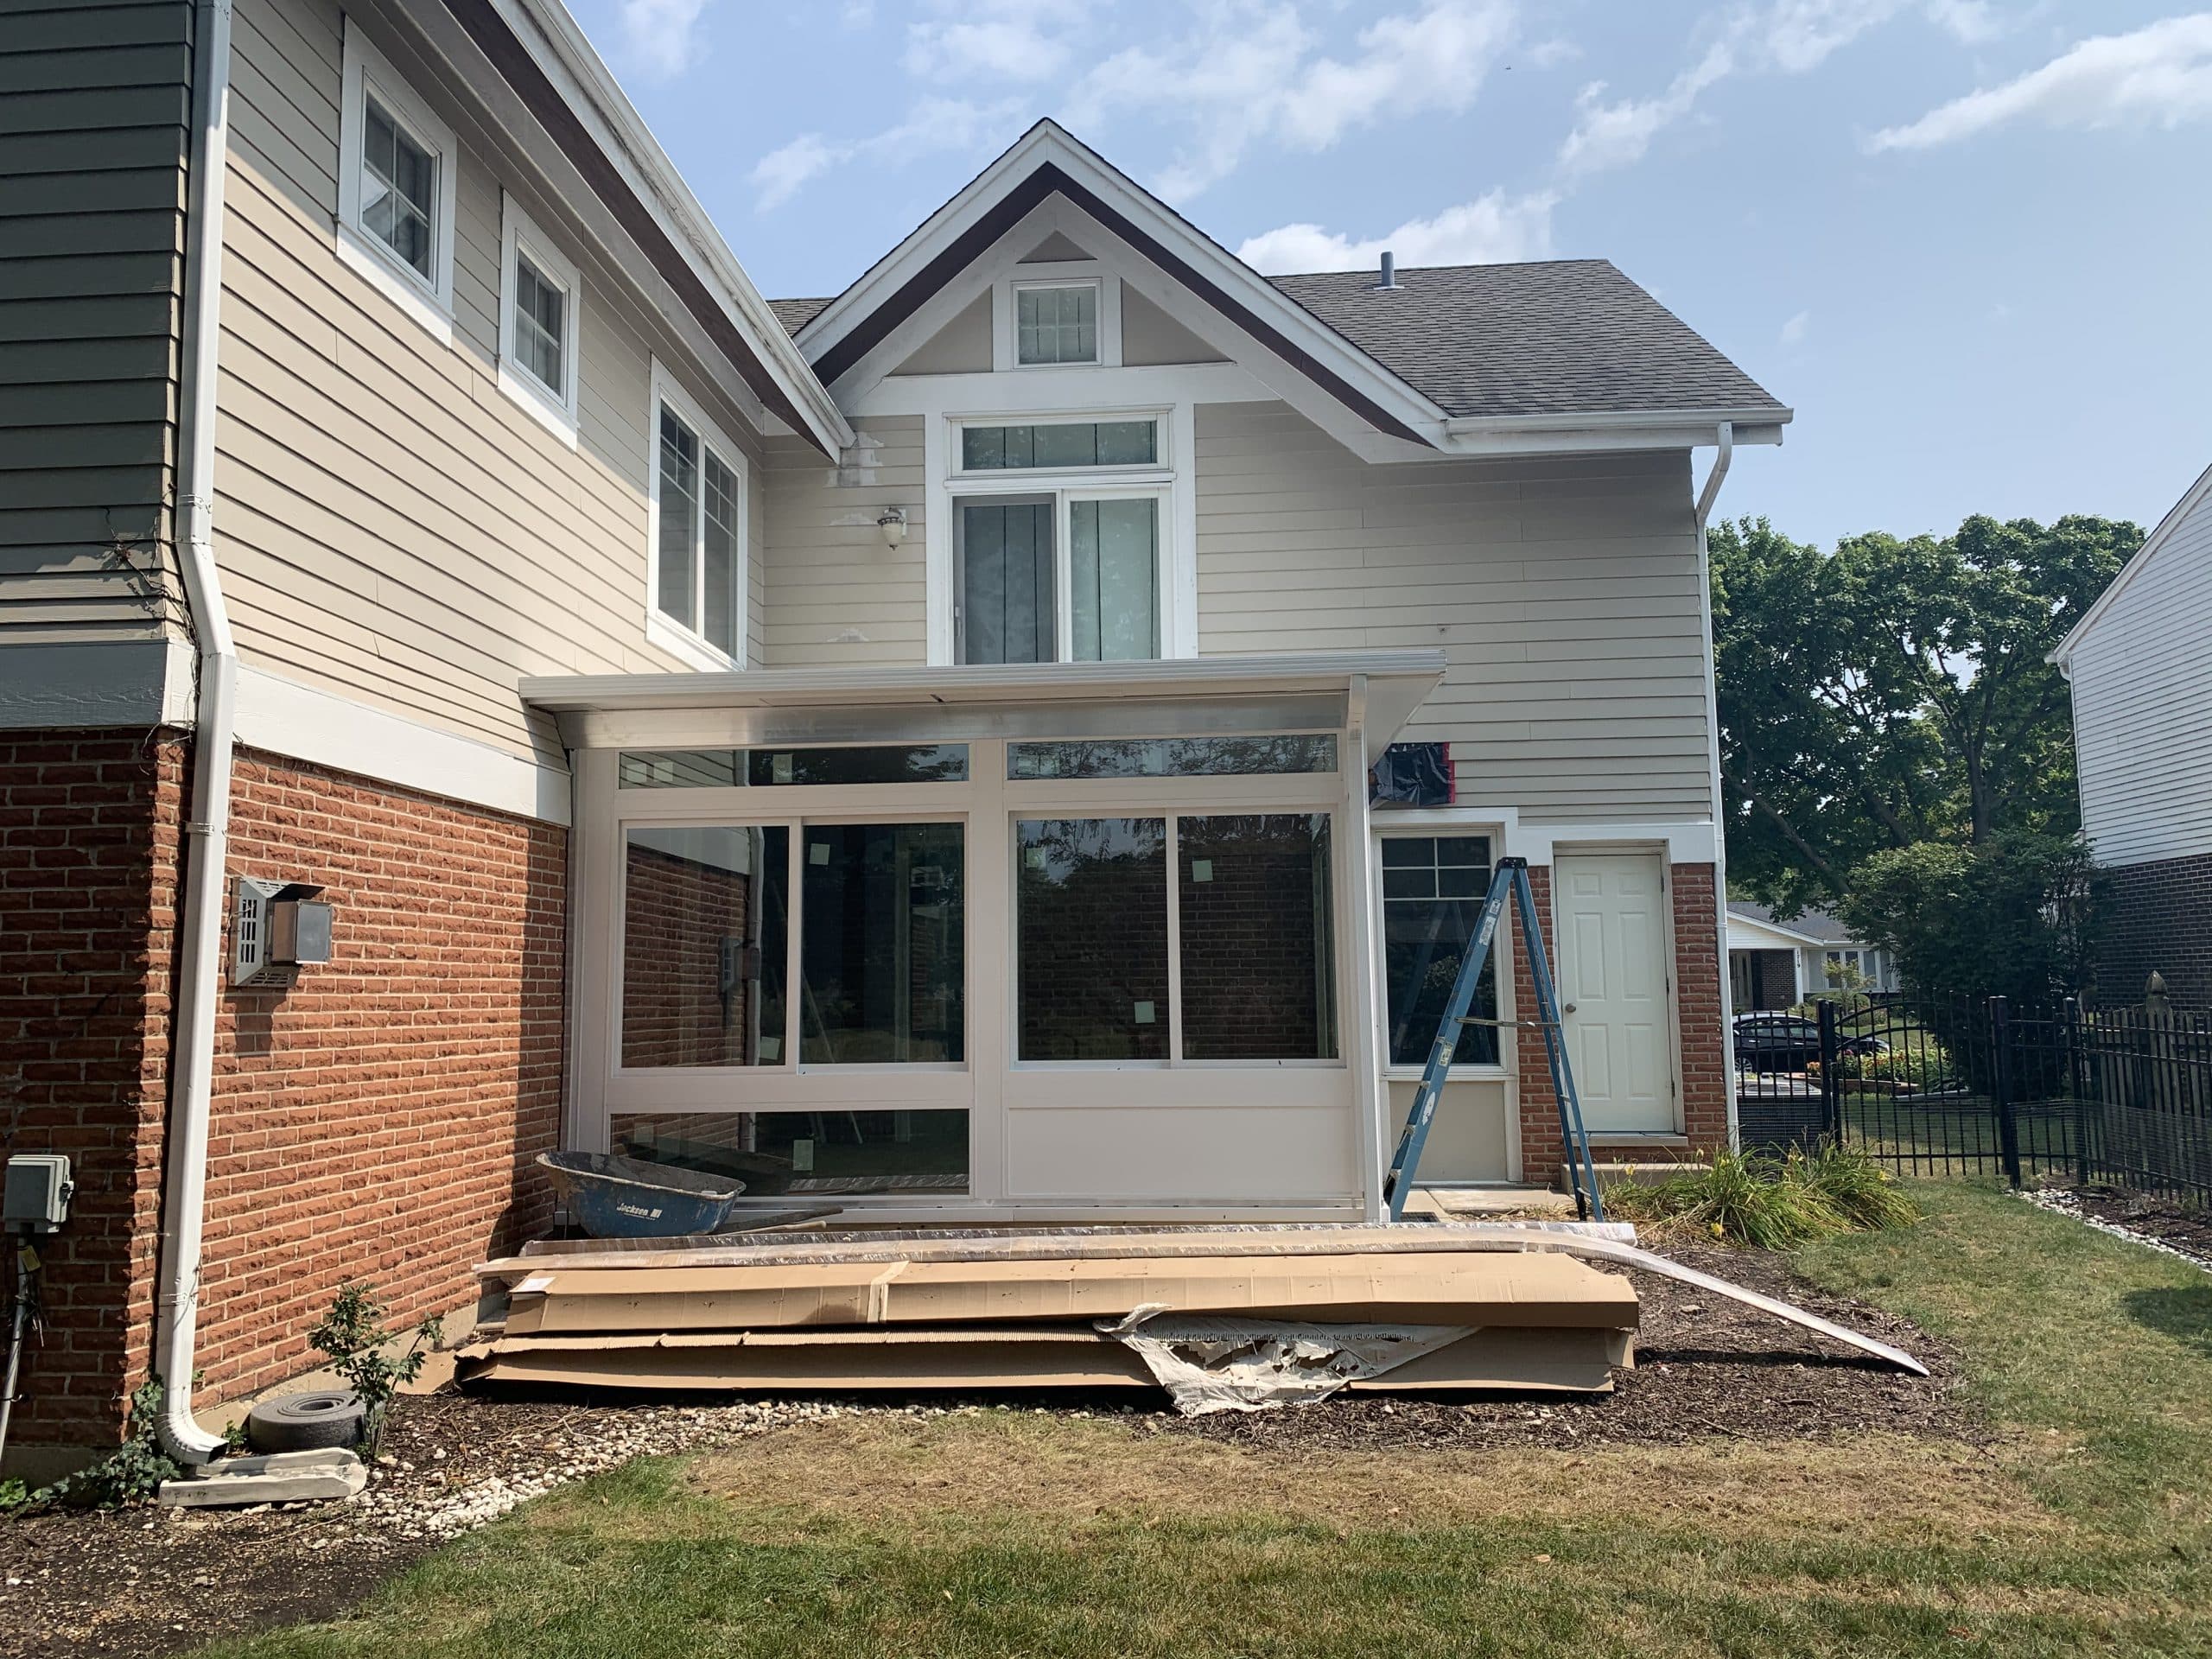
[
  {"x": 2156, "y": 918},
  {"x": 378, "y": 1118},
  {"x": 1704, "y": 1080},
  {"x": 88, "y": 866}
]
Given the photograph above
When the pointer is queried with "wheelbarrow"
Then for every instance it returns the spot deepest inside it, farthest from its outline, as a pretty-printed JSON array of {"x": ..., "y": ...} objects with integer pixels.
[{"x": 628, "y": 1198}]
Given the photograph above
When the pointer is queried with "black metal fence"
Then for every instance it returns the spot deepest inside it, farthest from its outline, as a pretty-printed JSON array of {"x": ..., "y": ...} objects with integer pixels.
[{"x": 1966, "y": 1085}]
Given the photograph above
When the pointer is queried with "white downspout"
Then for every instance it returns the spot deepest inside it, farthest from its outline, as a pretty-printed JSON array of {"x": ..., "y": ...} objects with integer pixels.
[
  {"x": 1726, "y": 439},
  {"x": 207, "y": 816}
]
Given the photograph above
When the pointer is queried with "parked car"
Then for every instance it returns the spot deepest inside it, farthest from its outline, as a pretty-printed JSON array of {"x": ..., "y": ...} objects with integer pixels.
[{"x": 1790, "y": 1042}]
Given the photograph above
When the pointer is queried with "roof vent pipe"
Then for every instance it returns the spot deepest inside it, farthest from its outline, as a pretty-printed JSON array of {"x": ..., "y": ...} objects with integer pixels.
[{"x": 1389, "y": 276}]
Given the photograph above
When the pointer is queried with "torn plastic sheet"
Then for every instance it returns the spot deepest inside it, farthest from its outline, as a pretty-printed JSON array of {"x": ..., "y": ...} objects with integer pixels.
[{"x": 1210, "y": 1364}]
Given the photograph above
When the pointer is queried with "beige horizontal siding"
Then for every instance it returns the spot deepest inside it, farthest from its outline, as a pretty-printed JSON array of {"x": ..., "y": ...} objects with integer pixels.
[
  {"x": 834, "y": 594},
  {"x": 93, "y": 104},
  {"x": 391, "y": 526},
  {"x": 1563, "y": 592}
]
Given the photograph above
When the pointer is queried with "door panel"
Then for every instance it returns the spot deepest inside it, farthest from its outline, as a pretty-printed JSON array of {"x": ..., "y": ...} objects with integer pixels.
[{"x": 1611, "y": 919}]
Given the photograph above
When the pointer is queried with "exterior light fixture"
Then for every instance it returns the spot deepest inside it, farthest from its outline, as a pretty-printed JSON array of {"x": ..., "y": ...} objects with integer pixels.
[{"x": 892, "y": 523}]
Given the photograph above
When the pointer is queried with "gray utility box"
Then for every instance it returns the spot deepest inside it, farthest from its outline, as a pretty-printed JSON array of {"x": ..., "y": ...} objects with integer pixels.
[{"x": 38, "y": 1191}]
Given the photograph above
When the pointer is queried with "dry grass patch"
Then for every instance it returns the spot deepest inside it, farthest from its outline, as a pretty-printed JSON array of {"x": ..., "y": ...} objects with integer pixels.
[{"x": 995, "y": 1467}]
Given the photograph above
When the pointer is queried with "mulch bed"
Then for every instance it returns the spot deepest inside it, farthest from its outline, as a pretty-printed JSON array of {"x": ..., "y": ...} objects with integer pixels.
[
  {"x": 2189, "y": 1231},
  {"x": 154, "y": 1581},
  {"x": 1706, "y": 1366}
]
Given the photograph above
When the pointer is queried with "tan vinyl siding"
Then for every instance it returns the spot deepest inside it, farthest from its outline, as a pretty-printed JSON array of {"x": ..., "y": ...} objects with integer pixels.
[
  {"x": 393, "y": 526},
  {"x": 1563, "y": 591},
  {"x": 94, "y": 103},
  {"x": 835, "y": 594},
  {"x": 962, "y": 346}
]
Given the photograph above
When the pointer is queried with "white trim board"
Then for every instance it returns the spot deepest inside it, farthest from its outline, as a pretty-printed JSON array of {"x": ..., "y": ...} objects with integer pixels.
[
  {"x": 281, "y": 717},
  {"x": 1691, "y": 842}
]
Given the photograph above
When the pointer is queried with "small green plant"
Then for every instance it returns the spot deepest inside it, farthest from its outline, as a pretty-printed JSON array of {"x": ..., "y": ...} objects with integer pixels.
[
  {"x": 353, "y": 1335},
  {"x": 131, "y": 1474},
  {"x": 1773, "y": 1203},
  {"x": 14, "y": 1496},
  {"x": 1921, "y": 1069}
]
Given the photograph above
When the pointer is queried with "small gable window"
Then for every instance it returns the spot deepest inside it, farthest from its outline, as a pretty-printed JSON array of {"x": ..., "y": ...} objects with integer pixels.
[{"x": 1056, "y": 323}]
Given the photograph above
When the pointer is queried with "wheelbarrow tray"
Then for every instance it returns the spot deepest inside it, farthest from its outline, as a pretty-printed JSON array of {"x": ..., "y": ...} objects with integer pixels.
[{"x": 626, "y": 1197}]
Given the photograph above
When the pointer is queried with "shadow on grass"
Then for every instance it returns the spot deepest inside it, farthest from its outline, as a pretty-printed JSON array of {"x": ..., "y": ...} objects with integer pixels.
[{"x": 2184, "y": 1315}]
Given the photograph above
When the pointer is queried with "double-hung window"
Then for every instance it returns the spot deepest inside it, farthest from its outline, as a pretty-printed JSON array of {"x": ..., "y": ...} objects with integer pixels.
[
  {"x": 397, "y": 162},
  {"x": 537, "y": 322},
  {"x": 698, "y": 572},
  {"x": 1061, "y": 560}
]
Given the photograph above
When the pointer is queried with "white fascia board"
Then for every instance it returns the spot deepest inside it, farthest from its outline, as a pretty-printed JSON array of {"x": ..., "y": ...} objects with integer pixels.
[
  {"x": 1745, "y": 934},
  {"x": 982, "y": 683},
  {"x": 1048, "y": 143},
  {"x": 300, "y": 722},
  {"x": 2062, "y": 653},
  {"x": 1594, "y": 434},
  {"x": 549, "y": 35}
]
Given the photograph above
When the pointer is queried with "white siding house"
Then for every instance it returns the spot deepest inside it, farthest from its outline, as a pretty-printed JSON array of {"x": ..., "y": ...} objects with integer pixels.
[{"x": 2140, "y": 665}]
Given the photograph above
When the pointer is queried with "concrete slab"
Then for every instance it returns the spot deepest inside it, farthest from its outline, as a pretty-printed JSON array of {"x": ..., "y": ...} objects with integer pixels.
[
  {"x": 1488, "y": 1203},
  {"x": 219, "y": 1490}
]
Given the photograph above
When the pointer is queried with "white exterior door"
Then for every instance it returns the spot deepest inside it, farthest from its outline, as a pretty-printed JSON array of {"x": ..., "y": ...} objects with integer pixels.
[{"x": 1609, "y": 909}]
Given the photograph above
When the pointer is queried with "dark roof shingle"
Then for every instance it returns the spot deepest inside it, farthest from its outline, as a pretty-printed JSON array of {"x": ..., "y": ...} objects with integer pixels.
[
  {"x": 795, "y": 315},
  {"x": 1553, "y": 337}
]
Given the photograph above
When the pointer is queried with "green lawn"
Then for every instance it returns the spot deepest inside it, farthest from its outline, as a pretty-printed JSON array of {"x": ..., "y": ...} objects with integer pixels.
[{"x": 2081, "y": 1527}]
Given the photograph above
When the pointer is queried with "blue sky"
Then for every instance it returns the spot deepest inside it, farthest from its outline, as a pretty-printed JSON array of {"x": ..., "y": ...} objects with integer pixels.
[{"x": 1970, "y": 241}]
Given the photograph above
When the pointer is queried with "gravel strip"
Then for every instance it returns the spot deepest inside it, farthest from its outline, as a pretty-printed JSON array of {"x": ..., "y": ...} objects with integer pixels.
[{"x": 2065, "y": 1201}]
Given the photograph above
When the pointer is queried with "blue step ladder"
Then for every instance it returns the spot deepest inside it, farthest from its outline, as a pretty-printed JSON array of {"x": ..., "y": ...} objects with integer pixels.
[{"x": 1510, "y": 878}]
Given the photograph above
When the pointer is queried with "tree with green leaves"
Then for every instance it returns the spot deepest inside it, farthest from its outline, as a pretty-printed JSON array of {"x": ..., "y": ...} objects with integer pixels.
[{"x": 1894, "y": 691}]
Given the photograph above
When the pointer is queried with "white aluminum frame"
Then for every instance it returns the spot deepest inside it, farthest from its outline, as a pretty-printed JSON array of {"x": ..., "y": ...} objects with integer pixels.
[
  {"x": 365, "y": 69},
  {"x": 553, "y": 407},
  {"x": 690, "y": 645},
  {"x": 990, "y": 1083}
]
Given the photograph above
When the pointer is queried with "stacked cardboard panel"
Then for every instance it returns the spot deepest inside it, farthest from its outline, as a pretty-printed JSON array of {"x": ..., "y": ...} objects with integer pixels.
[{"x": 1030, "y": 1309}]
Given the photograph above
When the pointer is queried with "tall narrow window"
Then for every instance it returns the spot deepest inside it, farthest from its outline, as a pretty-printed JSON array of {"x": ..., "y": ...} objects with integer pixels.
[
  {"x": 699, "y": 554},
  {"x": 1056, "y": 325},
  {"x": 705, "y": 943},
  {"x": 540, "y": 325},
  {"x": 1433, "y": 889},
  {"x": 1091, "y": 962},
  {"x": 1008, "y": 611},
  {"x": 399, "y": 189},
  {"x": 397, "y": 175},
  {"x": 882, "y": 933},
  {"x": 1114, "y": 579},
  {"x": 1259, "y": 969}
]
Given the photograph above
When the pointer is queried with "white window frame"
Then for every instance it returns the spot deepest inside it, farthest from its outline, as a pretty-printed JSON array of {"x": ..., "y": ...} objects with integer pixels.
[
  {"x": 365, "y": 70},
  {"x": 1427, "y": 823},
  {"x": 555, "y": 407},
  {"x": 662, "y": 629},
  {"x": 1086, "y": 273},
  {"x": 1160, "y": 481}
]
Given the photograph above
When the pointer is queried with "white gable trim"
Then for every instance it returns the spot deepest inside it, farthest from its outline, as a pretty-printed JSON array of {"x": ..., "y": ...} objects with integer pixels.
[
  {"x": 2062, "y": 653},
  {"x": 1047, "y": 142}
]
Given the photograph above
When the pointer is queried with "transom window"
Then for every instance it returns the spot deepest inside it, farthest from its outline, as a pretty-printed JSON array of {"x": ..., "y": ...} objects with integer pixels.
[
  {"x": 1056, "y": 324},
  {"x": 698, "y": 580},
  {"x": 1059, "y": 443},
  {"x": 1432, "y": 890}
]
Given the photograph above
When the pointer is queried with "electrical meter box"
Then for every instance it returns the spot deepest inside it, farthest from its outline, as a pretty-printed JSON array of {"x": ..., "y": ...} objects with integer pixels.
[{"x": 38, "y": 1193}]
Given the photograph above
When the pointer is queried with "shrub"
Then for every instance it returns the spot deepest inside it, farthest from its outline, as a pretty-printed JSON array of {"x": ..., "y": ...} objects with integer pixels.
[
  {"x": 1773, "y": 1203},
  {"x": 1923, "y": 1068},
  {"x": 353, "y": 1335}
]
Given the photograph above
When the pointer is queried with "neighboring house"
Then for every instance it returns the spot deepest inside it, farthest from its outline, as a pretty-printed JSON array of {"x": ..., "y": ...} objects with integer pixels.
[
  {"x": 920, "y": 761},
  {"x": 1774, "y": 964},
  {"x": 2140, "y": 666}
]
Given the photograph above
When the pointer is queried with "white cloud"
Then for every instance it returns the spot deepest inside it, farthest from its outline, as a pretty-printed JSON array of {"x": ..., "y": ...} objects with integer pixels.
[
  {"x": 1493, "y": 228},
  {"x": 1788, "y": 37},
  {"x": 1014, "y": 40},
  {"x": 2157, "y": 76},
  {"x": 659, "y": 34},
  {"x": 1793, "y": 332},
  {"x": 781, "y": 173},
  {"x": 934, "y": 124},
  {"x": 1248, "y": 73}
]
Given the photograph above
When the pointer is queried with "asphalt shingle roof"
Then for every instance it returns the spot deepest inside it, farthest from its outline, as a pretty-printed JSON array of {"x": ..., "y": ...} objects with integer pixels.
[
  {"x": 1552, "y": 337},
  {"x": 1555, "y": 337},
  {"x": 1816, "y": 923}
]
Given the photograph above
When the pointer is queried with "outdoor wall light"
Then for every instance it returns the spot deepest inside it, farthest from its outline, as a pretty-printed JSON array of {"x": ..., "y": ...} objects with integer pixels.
[{"x": 892, "y": 523}]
